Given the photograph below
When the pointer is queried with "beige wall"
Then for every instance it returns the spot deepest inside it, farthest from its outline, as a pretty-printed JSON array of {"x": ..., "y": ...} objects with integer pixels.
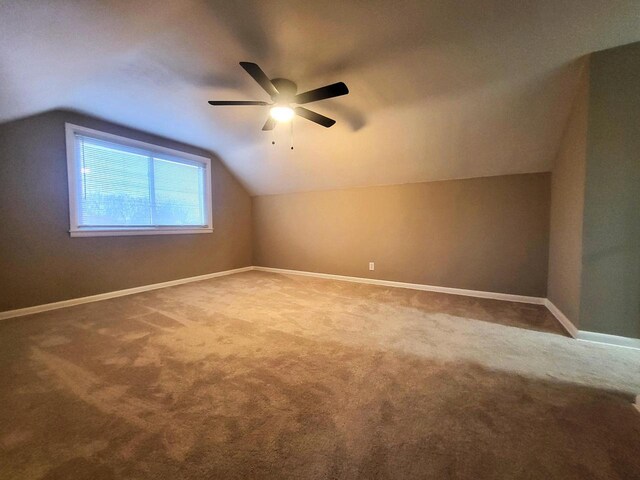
[
  {"x": 40, "y": 263},
  {"x": 485, "y": 234},
  {"x": 567, "y": 205},
  {"x": 610, "y": 290}
]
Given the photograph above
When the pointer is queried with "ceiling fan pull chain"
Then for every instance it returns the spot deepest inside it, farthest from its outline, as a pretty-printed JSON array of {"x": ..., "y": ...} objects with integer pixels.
[{"x": 291, "y": 134}]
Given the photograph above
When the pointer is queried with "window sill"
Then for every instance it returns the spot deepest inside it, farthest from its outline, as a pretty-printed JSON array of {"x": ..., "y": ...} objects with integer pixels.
[{"x": 113, "y": 232}]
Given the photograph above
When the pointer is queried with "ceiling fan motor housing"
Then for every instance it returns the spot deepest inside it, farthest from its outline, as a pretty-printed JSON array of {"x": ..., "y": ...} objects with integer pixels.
[{"x": 286, "y": 90}]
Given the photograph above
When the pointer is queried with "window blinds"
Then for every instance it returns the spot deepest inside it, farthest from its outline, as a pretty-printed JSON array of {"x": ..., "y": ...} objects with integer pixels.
[{"x": 123, "y": 186}]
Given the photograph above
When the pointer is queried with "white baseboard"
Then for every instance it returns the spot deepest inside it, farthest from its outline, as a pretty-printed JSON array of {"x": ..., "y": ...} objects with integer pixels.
[
  {"x": 562, "y": 318},
  {"x": 595, "y": 337},
  {"x": 414, "y": 286},
  {"x": 591, "y": 337},
  {"x": 118, "y": 293},
  {"x": 584, "y": 336},
  {"x": 130, "y": 291},
  {"x": 555, "y": 311}
]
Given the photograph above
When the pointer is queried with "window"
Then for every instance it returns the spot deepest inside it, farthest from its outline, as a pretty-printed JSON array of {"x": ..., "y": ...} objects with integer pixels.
[{"x": 119, "y": 186}]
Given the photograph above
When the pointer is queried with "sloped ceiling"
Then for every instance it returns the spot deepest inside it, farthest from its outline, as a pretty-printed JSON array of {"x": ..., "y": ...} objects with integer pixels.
[{"x": 439, "y": 89}]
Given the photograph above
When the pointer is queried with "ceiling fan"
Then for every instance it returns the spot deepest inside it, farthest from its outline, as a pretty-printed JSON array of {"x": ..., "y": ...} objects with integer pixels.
[{"x": 283, "y": 94}]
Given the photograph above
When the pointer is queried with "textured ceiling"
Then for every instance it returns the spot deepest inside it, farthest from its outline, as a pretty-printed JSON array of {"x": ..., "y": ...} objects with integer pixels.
[{"x": 439, "y": 89}]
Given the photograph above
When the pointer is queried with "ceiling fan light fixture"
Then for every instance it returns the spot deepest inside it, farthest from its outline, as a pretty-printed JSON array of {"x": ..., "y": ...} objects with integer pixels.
[
  {"x": 281, "y": 113},
  {"x": 283, "y": 93}
]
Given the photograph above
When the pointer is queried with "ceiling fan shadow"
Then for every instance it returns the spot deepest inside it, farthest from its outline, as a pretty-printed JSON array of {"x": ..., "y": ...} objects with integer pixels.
[
  {"x": 352, "y": 116},
  {"x": 242, "y": 21}
]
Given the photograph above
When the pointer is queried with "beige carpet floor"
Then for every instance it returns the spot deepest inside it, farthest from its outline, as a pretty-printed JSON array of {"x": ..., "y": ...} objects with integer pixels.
[{"x": 260, "y": 375}]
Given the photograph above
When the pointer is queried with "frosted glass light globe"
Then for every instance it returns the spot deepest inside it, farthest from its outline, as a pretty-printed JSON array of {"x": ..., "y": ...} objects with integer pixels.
[{"x": 281, "y": 113}]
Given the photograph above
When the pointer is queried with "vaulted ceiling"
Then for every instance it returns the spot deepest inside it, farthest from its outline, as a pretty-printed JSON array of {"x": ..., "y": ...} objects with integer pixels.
[{"x": 439, "y": 89}]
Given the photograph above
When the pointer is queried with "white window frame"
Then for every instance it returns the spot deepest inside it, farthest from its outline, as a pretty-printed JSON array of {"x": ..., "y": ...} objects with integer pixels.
[{"x": 73, "y": 175}]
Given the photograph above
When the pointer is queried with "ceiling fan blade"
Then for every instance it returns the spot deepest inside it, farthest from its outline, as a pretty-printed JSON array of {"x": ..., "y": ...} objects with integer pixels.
[
  {"x": 219, "y": 103},
  {"x": 314, "y": 117},
  {"x": 259, "y": 76},
  {"x": 329, "y": 91},
  {"x": 269, "y": 124}
]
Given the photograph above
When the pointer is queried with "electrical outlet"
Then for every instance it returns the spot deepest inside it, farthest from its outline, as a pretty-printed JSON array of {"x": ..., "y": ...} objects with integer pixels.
[{"x": 372, "y": 266}]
